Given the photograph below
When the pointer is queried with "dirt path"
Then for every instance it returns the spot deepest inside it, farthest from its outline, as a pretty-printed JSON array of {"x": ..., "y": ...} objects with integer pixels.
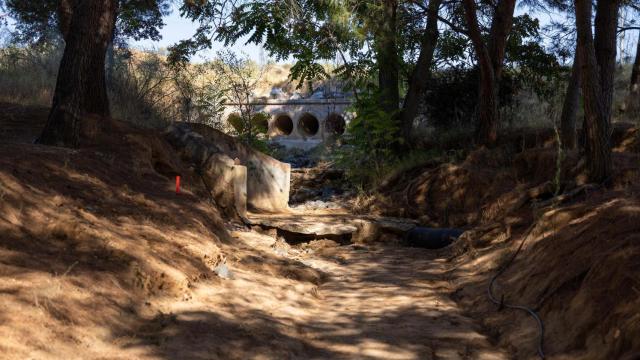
[{"x": 384, "y": 303}]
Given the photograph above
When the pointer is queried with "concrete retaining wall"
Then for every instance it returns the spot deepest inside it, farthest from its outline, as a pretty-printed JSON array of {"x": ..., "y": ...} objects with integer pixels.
[{"x": 267, "y": 179}]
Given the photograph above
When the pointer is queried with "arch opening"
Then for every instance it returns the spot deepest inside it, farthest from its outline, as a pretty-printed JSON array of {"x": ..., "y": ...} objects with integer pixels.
[
  {"x": 260, "y": 122},
  {"x": 308, "y": 125},
  {"x": 282, "y": 125},
  {"x": 335, "y": 124}
]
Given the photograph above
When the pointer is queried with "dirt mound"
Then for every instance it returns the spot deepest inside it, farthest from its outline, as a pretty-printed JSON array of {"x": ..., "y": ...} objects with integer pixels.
[
  {"x": 90, "y": 233},
  {"x": 579, "y": 267},
  {"x": 482, "y": 188},
  {"x": 579, "y": 270},
  {"x": 491, "y": 183},
  {"x": 96, "y": 244}
]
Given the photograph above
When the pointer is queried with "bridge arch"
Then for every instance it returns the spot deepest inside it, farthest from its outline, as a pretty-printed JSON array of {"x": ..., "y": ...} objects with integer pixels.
[
  {"x": 334, "y": 124},
  {"x": 300, "y": 123},
  {"x": 308, "y": 125},
  {"x": 282, "y": 124}
]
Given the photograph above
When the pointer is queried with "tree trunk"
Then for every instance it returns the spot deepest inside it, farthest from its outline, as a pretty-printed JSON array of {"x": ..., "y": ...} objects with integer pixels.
[
  {"x": 570, "y": 107},
  {"x": 633, "y": 101},
  {"x": 487, "y": 126},
  {"x": 491, "y": 63},
  {"x": 387, "y": 56},
  {"x": 486, "y": 130},
  {"x": 110, "y": 63},
  {"x": 605, "y": 38},
  {"x": 87, "y": 28},
  {"x": 500, "y": 29},
  {"x": 422, "y": 72},
  {"x": 595, "y": 61}
]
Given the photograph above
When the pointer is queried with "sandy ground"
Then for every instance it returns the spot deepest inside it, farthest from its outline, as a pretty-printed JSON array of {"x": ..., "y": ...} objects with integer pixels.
[{"x": 374, "y": 303}]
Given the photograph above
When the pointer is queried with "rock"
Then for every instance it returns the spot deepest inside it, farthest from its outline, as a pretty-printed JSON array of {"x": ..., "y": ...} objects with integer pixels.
[{"x": 316, "y": 205}]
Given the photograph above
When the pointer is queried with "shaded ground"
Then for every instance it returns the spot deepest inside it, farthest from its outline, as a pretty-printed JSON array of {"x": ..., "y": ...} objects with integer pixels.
[
  {"x": 579, "y": 267},
  {"x": 374, "y": 303}
]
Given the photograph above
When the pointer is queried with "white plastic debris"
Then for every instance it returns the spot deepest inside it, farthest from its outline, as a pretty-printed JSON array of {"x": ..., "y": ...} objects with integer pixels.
[{"x": 223, "y": 271}]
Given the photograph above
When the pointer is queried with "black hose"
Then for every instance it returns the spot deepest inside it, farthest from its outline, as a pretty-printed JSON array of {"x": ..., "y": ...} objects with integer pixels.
[{"x": 502, "y": 303}]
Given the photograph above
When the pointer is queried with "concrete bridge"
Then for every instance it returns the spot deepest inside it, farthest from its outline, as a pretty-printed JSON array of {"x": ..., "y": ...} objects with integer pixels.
[{"x": 301, "y": 123}]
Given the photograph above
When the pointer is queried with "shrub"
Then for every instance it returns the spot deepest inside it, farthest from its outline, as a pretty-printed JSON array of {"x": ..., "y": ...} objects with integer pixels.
[{"x": 372, "y": 139}]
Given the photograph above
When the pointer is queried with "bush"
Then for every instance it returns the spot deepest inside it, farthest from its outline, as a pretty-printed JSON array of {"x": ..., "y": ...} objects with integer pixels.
[
  {"x": 372, "y": 140},
  {"x": 28, "y": 74},
  {"x": 452, "y": 97},
  {"x": 260, "y": 122}
]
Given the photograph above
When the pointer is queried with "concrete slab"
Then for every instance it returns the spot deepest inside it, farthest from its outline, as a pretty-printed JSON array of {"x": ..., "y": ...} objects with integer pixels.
[{"x": 362, "y": 228}]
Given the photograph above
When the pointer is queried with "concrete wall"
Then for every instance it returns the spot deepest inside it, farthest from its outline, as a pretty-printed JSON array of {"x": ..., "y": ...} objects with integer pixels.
[
  {"x": 268, "y": 180},
  {"x": 237, "y": 176},
  {"x": 301, "y": 114}
]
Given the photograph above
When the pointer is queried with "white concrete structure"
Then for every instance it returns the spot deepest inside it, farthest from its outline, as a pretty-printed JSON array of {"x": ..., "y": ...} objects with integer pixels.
[{"x": 301, "y": 123}]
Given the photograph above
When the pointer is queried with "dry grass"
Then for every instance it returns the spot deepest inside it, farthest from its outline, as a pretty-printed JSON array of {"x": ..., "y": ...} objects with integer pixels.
[{"x": 143, "y": 89}]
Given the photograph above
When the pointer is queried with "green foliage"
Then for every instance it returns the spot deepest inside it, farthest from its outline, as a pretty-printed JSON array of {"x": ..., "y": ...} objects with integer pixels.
[
  {"x": 37, "y": 21},
  {"x": 200, "y": 93},
  {"x": 258, "y": 124},
  {"x": 373, "y": 151},
  {"x": 259, "y": 144},
  {"x": 235, "y": 120},
  {"x": 452, "y": 97},
  {"x": 372, "y": 142},
  {"x": 453, "y": 47},
  {"x": 310, "y": 31},
  {"x": 528, "y": 62},
  {"x": 238, "y": 78}
]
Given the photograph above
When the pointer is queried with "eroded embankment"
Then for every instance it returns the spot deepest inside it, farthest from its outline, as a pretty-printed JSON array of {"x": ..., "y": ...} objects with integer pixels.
[
  {"x": 579, "y": 267},
  {"x": 98, "y": 252}
]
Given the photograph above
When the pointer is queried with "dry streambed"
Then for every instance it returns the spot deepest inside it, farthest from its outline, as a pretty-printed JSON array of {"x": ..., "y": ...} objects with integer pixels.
[{"x": 350, "y": 302}]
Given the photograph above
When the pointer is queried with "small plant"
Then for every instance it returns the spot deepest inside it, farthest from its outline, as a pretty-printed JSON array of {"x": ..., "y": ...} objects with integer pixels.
[{"x": 239, "y": 78}]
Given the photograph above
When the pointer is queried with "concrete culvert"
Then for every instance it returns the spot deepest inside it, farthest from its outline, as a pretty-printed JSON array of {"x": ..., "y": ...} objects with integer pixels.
[
  {"x": 308, "y": 125},
  {"x": 283, "y": 125},
  {"x": 335, "y": 124}
]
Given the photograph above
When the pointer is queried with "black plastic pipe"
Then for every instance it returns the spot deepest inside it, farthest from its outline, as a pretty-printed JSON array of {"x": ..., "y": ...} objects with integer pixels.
[{"x": 431, "y": 238}]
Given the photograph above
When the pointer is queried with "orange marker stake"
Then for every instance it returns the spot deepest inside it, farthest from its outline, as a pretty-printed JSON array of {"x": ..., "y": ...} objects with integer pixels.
[{"x": 178, "y": 184}]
